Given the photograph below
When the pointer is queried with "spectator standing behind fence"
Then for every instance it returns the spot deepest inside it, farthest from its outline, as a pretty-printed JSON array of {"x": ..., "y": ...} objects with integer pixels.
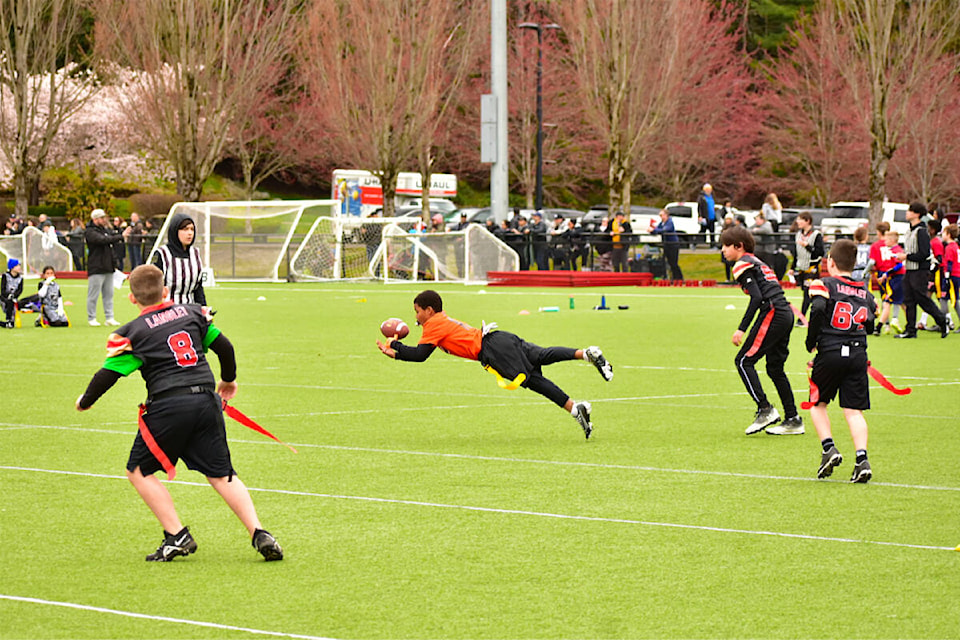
[
  {"x": 75, "y": 242},
  {"x": 120, "y": 250},
  {"x": 573, "y": 240},
  {"x": 558, "y": 249},
  {"x": 133, "y": 236},
  {"x": 808, "y": 251},
  {"x": 150, "y": 233},
  {"x": 670, "y": 243},
  {"x": 101, "y": 238},
  {"x": 619, "y": 244},
  {"x": 537, "y": 230},
  {"x": 604, "y": 247},
  {"x": 762, "y": 231},
  {"x": 707, "y": 212},
  {"x": 916, "y": 244},
  {"x": 180, "y": 262},
  {"x": 772, "y": 211}
]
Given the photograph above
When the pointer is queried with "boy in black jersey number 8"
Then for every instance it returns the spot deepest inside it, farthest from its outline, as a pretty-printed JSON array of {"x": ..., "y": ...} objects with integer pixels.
[
  {"x": 842, "y": 314},
  {"x": 768, "y": 338},
  {"x": 183, "y": 415}
]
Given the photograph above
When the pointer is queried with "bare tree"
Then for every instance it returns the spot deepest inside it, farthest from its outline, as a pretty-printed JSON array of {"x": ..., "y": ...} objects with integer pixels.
[
  {"x": 382, "y": 75},
  {"x": 42, "y": 83},
  {"x": 927, "y": 163},
  {"x": 812, "y": 135},
  {"x": 267, "y": 135},
  {"x": 633, "y": 61},
  {"x": 195, "y": 63},
  {"x": 896, "y": 44}
]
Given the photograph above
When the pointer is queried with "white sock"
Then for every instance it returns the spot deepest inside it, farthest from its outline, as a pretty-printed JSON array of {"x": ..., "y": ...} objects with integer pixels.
[{"x": 573, "y": 410}]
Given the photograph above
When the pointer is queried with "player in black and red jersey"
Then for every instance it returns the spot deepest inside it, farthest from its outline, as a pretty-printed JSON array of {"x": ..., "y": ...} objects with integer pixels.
[
  {"x": 768, "y": 338},
  {"x": 183, "y": 414},
  {"x": 842, "y": 313}
]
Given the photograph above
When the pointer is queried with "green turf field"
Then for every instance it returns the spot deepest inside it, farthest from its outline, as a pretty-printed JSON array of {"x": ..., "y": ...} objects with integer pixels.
[{"x": 427, "y": 503}]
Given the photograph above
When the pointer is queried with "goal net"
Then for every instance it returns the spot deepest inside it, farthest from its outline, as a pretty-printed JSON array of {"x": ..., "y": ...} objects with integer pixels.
[
  {"x": 391, "y": 249},
  {"x": 36, "y": 250},
  {"x": 343, "y": 247},
  {"x": 246, "y": 240},
  {"x": 457, "y": 256}
]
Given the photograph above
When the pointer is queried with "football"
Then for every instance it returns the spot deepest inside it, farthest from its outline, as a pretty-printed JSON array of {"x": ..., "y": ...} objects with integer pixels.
[{"x": 394, "y": 327}]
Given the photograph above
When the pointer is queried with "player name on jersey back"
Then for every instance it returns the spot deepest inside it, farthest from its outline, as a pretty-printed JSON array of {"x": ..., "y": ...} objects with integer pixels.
[{"x": 164, "y": 316}]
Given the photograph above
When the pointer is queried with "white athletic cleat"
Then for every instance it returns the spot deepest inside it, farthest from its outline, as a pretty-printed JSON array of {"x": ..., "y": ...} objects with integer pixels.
[
  {"x": 595, "y": 356},
  {"x": 789, "y": 427},
  {"x": 581, "y": 411},
  {"x": 94, "y": 323},
  {"x": 112, "y": 323},
  {"x": 764, "y": 418}
]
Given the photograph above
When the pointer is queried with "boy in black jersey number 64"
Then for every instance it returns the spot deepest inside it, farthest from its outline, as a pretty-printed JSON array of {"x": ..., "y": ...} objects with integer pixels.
[
  {"x": 183, "y": 414},
  {"x": 842, "y": 314},
  {"x": 769, "y": 337}
]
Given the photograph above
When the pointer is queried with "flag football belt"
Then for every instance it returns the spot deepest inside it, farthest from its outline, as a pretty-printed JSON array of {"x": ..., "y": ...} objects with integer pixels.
[
  {"x": 159, "y": 454},
  {"x": 875, "y": 374},
  {"x": 181, "y": 391}
]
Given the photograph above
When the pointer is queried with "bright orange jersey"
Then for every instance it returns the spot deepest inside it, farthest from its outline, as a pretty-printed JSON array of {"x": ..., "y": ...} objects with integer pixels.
[{"x": 452, "y": 336}]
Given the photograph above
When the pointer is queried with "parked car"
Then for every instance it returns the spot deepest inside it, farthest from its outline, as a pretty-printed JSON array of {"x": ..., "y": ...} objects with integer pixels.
[
  {"x": 788, "y": 215},
  {"x": 435, "y": 204},
  {"x": 845, "y": 217}
]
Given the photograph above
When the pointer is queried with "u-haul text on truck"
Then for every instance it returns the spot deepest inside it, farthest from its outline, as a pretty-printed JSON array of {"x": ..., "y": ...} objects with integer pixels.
[{"x": 360, "y": 193}]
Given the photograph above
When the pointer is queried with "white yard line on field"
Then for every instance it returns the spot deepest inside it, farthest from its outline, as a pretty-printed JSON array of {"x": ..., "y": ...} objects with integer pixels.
[
  {"x": 504, "y": 459},
  {"x": 144, "y": 616},
  {"x": 521, "y": 512}
]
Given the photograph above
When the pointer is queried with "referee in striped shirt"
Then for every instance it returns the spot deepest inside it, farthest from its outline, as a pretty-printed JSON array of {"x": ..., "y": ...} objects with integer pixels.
[{"x": 916, "y": 243}]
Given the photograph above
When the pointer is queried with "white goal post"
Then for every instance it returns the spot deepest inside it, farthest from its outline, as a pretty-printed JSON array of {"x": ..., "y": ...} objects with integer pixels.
[
  {"x": 245, "y": 240},
  {"x": 392, "y": 250},
  {"x": 36, "y": 250}
]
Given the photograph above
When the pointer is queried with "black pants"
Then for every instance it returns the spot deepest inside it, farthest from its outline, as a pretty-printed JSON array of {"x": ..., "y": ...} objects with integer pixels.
[
  {"x": 671, "y": 252},
  {"x": 803, "y": 281},
  {"x": 510, "y": 356},
  {"x": 768, "y": 338},
  {"x": 915, "y": 292},
  {"x": 619, "y": 257}
]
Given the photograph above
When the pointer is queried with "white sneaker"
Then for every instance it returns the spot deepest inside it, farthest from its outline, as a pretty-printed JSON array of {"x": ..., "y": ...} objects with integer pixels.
[
  {"x": 112, "y": 323},
  {"x": 763, "y": 419},
  {"x": 94, "y": 323},
  {"x": 581, "y": 411},
  {"x": 789, "y": 427}
]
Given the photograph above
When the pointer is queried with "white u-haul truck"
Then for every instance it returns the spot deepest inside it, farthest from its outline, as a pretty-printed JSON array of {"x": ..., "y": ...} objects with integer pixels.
[{"x": 360, "y": 193}]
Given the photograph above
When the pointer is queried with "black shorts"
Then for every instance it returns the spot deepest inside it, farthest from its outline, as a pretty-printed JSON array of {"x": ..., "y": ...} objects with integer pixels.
[
  {"x": 188, "y": 427},
  {"x": 833, "y": 372}
]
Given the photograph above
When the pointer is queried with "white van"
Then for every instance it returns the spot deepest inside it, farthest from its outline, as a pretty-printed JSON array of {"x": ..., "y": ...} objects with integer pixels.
[
  {"x": 685, "y": 218},
  {"x": 845, "y": 217}
]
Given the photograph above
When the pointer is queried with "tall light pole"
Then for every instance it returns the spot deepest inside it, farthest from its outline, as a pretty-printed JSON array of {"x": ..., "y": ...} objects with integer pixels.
[{"x": 539, "y": 29}]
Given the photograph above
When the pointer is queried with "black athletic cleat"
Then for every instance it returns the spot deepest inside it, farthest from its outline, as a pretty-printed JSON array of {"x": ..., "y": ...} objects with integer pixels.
[
  {"x": 581, "y": 411},
  {"x": 862, "y": 472},
  {"x": 831, "y": 458},
  {"x": 944, "y": 330},
  {"x": 765, "y": 417},
  {"x": 595, "y": 356},
  {"x": 906, "y": 334},
  {"x": 174, "y": 544},
  {"x": 267, "y": 545}
]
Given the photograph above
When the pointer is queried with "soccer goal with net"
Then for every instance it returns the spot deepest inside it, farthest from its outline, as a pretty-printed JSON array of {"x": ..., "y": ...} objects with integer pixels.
[
  {"x": 246, "y": 240},
  {"x": 393, "y": 251},
  {"x": 36, "y": 250}
]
